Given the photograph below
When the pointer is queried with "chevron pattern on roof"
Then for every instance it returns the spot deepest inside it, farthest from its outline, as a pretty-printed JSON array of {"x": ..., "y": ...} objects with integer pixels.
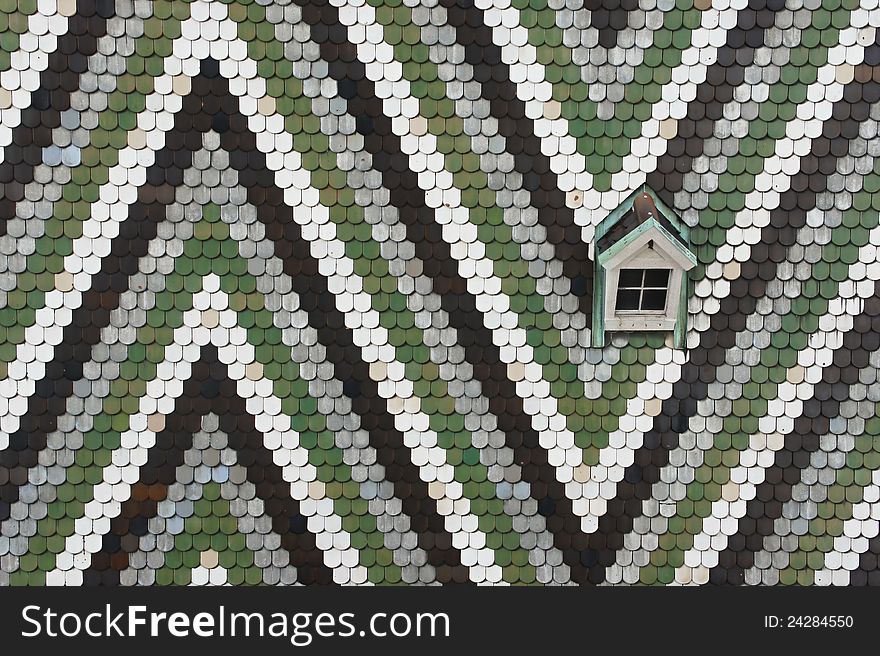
[{"x": 300, "y": 292}]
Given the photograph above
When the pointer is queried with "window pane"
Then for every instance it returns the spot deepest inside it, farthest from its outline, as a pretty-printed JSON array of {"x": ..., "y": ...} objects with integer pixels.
[
  {"x": 656, "y": 277},
  {"x": 654, "y": 299},
  {"x": 630, "y": 278},
  {"x": 627, "y": 299}
]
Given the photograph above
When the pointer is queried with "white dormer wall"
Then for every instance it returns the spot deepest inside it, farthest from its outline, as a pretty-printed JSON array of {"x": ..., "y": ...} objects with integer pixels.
[{"x": 651, "y": 250}]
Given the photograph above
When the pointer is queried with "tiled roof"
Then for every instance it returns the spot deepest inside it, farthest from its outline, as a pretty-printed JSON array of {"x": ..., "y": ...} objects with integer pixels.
[{"x": 301, "y": 292}]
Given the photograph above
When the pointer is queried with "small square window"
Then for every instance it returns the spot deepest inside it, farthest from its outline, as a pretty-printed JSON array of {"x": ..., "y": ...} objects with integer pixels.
[{"x": 642, "y": 290}]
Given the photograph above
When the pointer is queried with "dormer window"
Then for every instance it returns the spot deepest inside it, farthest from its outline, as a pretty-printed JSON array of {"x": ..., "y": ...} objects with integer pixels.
[{"x": 642, "y": 257}]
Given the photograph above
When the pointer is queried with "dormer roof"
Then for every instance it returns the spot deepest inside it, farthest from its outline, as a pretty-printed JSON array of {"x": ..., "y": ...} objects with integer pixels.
[{"x": 643, "y": 218}]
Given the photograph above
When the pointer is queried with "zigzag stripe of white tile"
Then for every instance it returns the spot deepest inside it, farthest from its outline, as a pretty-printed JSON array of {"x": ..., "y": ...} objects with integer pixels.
[
  {"x": 817, "y": 478},
  {"x": 759, "y": 328},
  {"x": 28, "y": 223},
  {"x": 145, "y": 300},
  {"x": 108, "y": 212},
  {"x": 557, "y": 143},
  {"x": 207, "y": 32},
  {"x": 550, "y": 283},
  {"x": 767, "y": 63},
  {"x": 600, "y": 481},
  {"x": 716, "y": 286},
  {"x": 779, "y": 168},
  {"x": 674, "y": 98},
  {"x": 474, "y": 267},
  {"x": 619, "y": 61},
  {"x": 766, "y": 58},
  {"x": 779, "y": 422},
  {"x": 210, "y": 32},
  {"x": 278, "y": 436},
  {"x": 556, "y": 140},
  {"x": 786, "y": 36},
  {"x": 348, "y": 290},
  {"x": 546, "y": 558},
  {"x": 426, "y": 307},
  {"x": 22, "y": 78},
  {"x": 857, "y": 534},
  {"x": 363, "y": 320}
]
